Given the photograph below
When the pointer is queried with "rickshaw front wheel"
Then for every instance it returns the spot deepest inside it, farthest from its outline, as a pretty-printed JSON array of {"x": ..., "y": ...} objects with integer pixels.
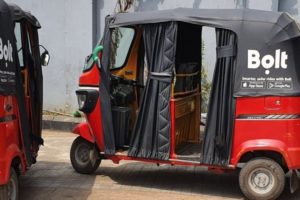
[
  {"x": 83, "y": 156},
  {"x": 262, "y": 179},
  {"x": 11, "y": 189}
]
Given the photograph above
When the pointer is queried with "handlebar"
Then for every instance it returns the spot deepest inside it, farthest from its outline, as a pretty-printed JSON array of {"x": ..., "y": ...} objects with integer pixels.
[{"x": 121, "y": 80}]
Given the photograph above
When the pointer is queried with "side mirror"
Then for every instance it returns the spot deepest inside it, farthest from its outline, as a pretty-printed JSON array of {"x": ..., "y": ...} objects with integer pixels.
[{"x": 45, "y": 58}]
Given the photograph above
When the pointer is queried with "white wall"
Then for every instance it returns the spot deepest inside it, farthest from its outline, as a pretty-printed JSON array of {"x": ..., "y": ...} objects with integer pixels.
[
  {"x": 106, "y": 7},
  {"x": 67, "y": 34},
  {"x": 290, "y": 6}
]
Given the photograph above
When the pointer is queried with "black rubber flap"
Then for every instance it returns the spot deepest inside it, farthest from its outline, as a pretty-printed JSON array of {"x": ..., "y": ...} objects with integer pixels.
[
  {"x": 218, "y": 130},
  {"x": 151, "y": 134},
  {"x": 104, "y": 91}
]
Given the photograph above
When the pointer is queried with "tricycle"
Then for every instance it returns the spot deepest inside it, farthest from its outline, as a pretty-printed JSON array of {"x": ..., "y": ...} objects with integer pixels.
[
  {"x": 140, "y": 92},
  {"x": 21, "y": 96}
]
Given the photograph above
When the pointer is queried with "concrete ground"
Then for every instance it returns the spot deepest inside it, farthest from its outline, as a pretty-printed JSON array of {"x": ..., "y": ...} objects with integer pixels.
[{"x": 53, "y": 178}]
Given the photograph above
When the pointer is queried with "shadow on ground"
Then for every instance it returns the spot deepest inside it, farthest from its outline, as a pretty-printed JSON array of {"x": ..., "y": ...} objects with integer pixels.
[
  {"x": 55, "y": 180},
  {"x": 58, "y": 180},
  {"x": 193, "y": 180}
]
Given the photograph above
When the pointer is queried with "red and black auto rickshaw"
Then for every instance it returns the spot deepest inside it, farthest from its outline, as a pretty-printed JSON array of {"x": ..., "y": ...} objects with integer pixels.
[
  {"x": 141, "y": 96},
  {"x": 21, "y": 96}
]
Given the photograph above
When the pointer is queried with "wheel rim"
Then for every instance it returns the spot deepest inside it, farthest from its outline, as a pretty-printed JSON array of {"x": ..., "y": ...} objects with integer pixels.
[
  {"x": 12, "y": 189},
  {"x": 82, "y": 154},
  {"x": 261, "y": 181}
]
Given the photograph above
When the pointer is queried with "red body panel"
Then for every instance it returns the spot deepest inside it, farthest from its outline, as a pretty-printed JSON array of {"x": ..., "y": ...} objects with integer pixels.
[
  {"x": 91, "y": 77},
  {"x": 117, "y": 158},
  {"x": 12, "y": 151},
  {"x": 279, "y": 135},
  {"x": 172, "y": 137},
  {"x": 83, "y": 130},
  {"x": 276, "y": 135},
  {"x": 10, "y": 142},
  {"x": 94, "y": 119}
]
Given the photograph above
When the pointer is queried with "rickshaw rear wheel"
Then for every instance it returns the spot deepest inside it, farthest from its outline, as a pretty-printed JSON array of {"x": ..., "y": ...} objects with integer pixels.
[
  {"x": 83, "y": 156},
  {"x": 262, "y": 179},
  {"x": 11, "y": 189}
]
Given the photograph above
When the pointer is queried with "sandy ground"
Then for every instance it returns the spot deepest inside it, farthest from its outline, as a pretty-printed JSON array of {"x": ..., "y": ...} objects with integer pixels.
[{"x": 53, "y": 178}]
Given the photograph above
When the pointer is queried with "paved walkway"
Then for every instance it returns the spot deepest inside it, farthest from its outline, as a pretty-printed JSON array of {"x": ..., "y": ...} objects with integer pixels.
[{"x": 53, "y": 178}]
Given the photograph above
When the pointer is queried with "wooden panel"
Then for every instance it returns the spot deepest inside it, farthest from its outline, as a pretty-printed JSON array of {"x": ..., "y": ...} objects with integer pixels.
[
  {"x": 183, "y": 108},
  {"x": 182, "y": 129},
  {"x": 187, "y": 119},
  {"x": 24, "y": 73},
  {"x": 196, "y": 126}
]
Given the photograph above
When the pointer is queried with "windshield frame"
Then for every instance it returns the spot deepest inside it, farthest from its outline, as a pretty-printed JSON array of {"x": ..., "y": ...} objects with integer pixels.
[{"x": 129, "y": 49}]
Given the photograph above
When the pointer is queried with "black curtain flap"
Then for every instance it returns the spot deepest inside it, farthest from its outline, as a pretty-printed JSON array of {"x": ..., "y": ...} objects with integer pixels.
[
  {"x": 219, "y": 127},
  {"x": 104, "y": 91},
  {"x": 151, "y": 134},
  {"x": 37, "y": 90}
]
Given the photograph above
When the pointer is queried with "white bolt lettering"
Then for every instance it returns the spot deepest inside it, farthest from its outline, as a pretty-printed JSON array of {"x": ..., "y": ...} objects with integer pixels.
[
  {"x": 268, "y": 61},
  {"x": 284, "y": 58},
  {"x": 6, "y": 51},
  {"x": 253, "y": 59},
  {"x": 1, "y": 49},
  {"x": 277, "y": 60}
]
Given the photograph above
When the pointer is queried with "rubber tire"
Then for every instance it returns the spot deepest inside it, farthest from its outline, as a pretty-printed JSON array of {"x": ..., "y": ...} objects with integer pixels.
[
  {"x": 90, "y": 166},
  {"x": 273, "y": 167},
  {"x": 4, "y": 188}
]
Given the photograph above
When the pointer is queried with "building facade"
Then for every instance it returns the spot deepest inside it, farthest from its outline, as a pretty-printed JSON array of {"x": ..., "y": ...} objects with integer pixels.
[{"x": 70, "y": 29}]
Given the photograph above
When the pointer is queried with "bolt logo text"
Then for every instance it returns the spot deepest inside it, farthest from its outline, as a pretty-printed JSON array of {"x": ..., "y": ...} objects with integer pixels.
[
  {"x": 267, "y": 61},
  {"x": 6, "y": 51}
]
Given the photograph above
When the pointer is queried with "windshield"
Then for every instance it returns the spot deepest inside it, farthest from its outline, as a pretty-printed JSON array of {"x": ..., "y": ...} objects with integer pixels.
[
  {"x": 121, "y": 42},
  {"x": 18, "y": 35}
]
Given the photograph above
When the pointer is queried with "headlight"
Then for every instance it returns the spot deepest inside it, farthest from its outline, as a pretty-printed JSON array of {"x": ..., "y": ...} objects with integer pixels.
[
  {"x": 87, "y": 100},
  {"x": 81, "y": 100}
]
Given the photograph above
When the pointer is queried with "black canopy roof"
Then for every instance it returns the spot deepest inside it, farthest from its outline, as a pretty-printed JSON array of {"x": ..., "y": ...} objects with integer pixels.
[
  {"x": 19, "y": 14},
  {"x": 236, "y": 20},
  {"x": 262, "y": 31},
  {"x": 218, "y": 17}
]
